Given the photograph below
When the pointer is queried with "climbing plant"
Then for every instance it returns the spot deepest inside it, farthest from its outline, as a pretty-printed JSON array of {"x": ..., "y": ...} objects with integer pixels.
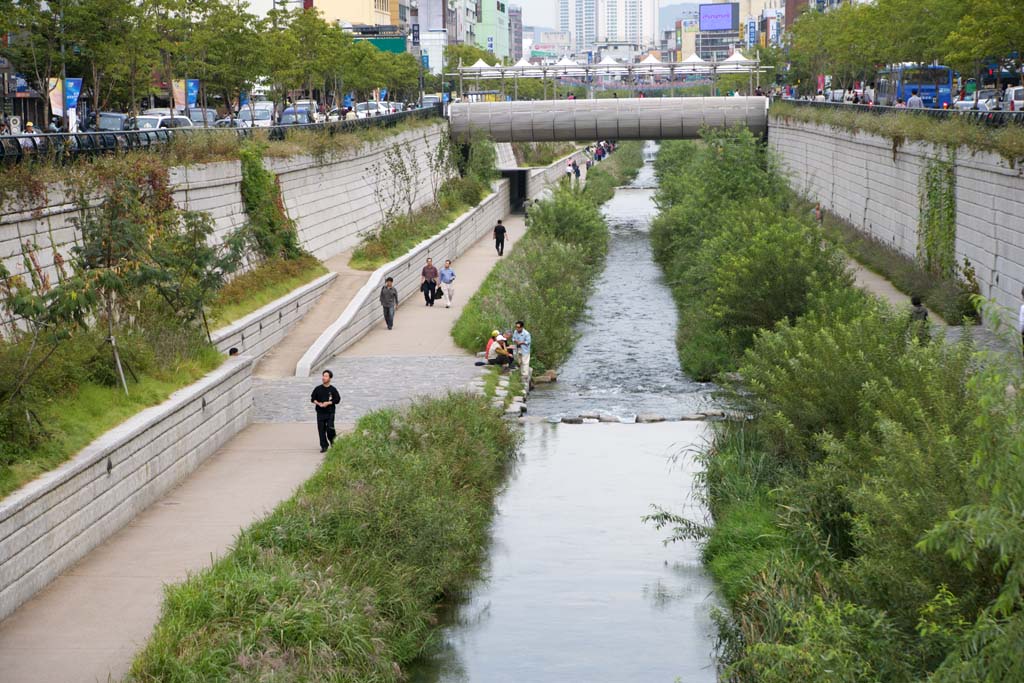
[
  {"x": 936, "y": 243},
  {"x": 270, "y": 233}
]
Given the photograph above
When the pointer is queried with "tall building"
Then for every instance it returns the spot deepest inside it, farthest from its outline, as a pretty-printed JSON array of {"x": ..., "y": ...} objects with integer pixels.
[
  {"x": 515, "y": 32},
  {"x": 492, "y": 28},
  {"x": 578, "y": 18},
  {"x": 634, "y": 21},
  {"x": 370, "y": 12}
]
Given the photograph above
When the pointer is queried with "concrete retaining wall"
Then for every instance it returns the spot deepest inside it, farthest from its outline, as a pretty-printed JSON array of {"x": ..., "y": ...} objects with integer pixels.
[
  {"x": 364, "y": 311},
  {"x": 874, "y": 185},
  {"x": 257, "y": 332},
  {"x": 332, "y": 203},
  {"x": 540, "y": 179},
  {"x": 48, "y": 525}
]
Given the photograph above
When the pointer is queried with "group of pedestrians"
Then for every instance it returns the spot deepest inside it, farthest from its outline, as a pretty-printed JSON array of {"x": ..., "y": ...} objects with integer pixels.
[{"x": 511, "y": 351}]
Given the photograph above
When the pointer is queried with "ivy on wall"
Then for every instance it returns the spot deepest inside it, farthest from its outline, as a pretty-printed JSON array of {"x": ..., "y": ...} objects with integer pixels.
[
  {"x": 936, "y": 241},
  {"x": 270, "y": 232}
]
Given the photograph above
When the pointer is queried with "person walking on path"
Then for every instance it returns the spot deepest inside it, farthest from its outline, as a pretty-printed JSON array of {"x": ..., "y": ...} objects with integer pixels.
[
  {"x": 447, "y": 277},
  {"x": 522, "y": 340},
  {"x": 325, "y": 397},
  {"x": 499, "y": 238},
  {"x": 915, "y": 101},
  {"x": 576, "y": 171},
  {"x": 428, "y": 281},
  {"x": 389, "y": 301}
]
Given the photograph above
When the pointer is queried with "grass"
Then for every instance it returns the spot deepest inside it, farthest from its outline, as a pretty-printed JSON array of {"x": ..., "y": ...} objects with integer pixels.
[
  {"x": 541, "y": 153},
  {"x": 957, "y": 131},
  {"x": 256, "y": 288},
  {"x": 401, "y": 234},
  {"x": 83, "y": 415},
  {"x": 343, "y": 581},
  {"x": 950, "y": 299}
]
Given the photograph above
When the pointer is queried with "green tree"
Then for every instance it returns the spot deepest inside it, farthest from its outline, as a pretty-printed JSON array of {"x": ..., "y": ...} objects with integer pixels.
[{"x": 988, "y": 30}]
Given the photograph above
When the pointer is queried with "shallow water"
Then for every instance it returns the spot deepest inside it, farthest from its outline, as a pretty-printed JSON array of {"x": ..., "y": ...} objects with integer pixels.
[
  {"x": 578, "y": 588},
  {"x": 625, "y": 362}
]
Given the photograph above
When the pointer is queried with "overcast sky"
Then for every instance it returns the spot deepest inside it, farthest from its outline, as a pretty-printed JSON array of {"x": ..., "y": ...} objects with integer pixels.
[{"x": 539, "y": 12}]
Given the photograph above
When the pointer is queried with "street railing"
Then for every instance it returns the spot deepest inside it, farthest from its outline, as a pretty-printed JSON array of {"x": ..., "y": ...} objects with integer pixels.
[
  {"x": 989, "y": 118},
  {"x": 66, "y": 147}
]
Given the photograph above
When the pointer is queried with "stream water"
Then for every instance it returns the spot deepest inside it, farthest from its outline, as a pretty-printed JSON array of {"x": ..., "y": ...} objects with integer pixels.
[{"x": 578, "y": 588}]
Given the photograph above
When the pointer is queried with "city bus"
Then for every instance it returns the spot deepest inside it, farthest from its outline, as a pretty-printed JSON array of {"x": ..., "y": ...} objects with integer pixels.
[{"x": 934, "y": 84}]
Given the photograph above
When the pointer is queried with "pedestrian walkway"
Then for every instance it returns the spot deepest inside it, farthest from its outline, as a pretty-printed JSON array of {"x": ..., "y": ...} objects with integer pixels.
[{"x": 88, "y": 624}]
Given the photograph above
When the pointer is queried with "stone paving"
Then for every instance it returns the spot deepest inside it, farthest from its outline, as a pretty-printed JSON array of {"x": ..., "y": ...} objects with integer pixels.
[{"x": 366, "y": 384}]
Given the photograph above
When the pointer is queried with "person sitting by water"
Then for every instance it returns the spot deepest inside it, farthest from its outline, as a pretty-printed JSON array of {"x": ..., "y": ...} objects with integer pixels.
[{"x": 498, "y": 353}]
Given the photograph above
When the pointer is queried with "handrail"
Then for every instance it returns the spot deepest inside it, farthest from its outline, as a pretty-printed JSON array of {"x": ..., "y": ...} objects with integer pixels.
[
  {"x": 990, "y": 118},
  {"x": 65, "y": 147}
]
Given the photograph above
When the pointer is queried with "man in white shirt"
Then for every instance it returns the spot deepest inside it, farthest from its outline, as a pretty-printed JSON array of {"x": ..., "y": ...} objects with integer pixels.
[{"x": 915, "y": 101}]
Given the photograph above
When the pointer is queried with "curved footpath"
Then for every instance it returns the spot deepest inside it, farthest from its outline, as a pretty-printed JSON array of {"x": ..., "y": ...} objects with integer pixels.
[{"x": 88, "y": 624}]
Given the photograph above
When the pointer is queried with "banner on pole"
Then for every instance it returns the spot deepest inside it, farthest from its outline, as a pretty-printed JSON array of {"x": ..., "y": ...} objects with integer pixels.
[
  {"x": 72, "y": 91},
  {"x": 192, "y": 92},
  {"x": 55, "y": 91}
]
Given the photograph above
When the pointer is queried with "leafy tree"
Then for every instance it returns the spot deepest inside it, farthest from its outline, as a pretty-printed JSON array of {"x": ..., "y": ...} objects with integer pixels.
[
  {"x": 989, "y": 29},
  {"x": 467, "y": 55}
]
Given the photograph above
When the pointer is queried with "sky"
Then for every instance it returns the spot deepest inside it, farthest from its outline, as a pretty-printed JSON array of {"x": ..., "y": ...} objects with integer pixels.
[{"x": 539, "y": 12}]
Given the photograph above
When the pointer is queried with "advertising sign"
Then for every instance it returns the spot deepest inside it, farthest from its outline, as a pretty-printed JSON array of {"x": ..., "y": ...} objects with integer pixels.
[
  {"x": 178, "y": 90},
  {"x": 192, "y": 91},
  {"x": 72, "y": 91},
  {"x": 55, "y": 91},
  {"x": 751, "y": 32},
  {"x": 490, "y": 43},
  {"x": 415, "y": 34},
  {"x": 425, "y": 61},
  {"x": 723, "y": 16}
]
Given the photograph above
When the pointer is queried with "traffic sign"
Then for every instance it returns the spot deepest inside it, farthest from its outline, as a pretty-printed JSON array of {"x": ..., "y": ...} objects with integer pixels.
[
  {"x": 415, "y": 34},
  {"x": 425, "y": 60}
]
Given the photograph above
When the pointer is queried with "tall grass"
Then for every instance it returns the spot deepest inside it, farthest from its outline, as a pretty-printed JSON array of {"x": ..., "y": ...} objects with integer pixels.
[
  {"x": 546, "y": 279},
  {"x": 343, "y": 581},
  {"x": 256, "y": 288},
  {"x": 862, "y": 522}
]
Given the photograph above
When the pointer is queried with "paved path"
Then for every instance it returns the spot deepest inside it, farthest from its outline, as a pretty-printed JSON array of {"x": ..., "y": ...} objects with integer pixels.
[
  {"x": 88, "y": 624},
  {"x": 280, "y": 361},
  {"x": 878, "y": 285}
]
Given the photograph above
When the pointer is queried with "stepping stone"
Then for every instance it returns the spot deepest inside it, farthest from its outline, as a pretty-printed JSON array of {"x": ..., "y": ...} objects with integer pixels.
[
  {"x": 649, "y": 418},
  {"x": 608, "y": 418},
  {"x": 590, "y": 420},
  {"x": 514, "y": 410},
  {"x": 590, "y": 416},
  {"x": 693, "y": 417},
  {"x": 714, "y": 413},
  {"x": 574, "y": 420}
]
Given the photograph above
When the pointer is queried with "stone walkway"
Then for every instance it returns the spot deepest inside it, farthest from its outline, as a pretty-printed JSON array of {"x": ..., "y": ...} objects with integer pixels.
[{"x": 88, "y": 624}]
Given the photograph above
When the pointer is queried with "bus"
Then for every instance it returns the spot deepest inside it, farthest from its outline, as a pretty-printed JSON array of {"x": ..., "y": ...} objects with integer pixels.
[{"x": 934, "y": 84}]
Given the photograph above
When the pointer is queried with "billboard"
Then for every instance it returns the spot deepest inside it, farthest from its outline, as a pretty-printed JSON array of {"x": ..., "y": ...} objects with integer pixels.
[{"x": 723, "y": 16}]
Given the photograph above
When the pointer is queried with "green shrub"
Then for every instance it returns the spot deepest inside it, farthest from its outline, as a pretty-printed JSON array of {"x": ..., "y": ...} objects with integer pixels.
[
  {"x": 343, "y": 581},
  {"x": 270, "y": 233}
]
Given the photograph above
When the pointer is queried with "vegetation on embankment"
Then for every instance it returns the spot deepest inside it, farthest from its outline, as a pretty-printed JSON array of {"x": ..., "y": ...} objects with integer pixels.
[
  {"x": 899, "y": 127},
  {"x": 541, "y": 153},
  {"x": 343, "y": 581},
  {"x": 455, "y": 188},
  {"x": 866, "y": 523},
  {"x": 126, "y": 321},
  {"x": 546, "y": 278}
]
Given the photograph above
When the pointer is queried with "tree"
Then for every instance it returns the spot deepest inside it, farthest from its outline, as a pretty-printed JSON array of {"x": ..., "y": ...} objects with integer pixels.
[
  {"x": 467, "y": 55},
  {"x": 988, "y": 30}
]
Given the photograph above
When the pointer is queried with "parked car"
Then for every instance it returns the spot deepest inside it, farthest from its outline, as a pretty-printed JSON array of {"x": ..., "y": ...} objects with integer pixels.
[
  {"x": 197, "y": 114},
  {"x": 152, "y": 122},
  {"x": 365, "y": 110},
  {"x": 158, "y": 111},
  {"x": 229, "y": 122},
  {"x": 256, "y": 117},
  {"x": 313, "y": 107},
  {"x": 430, "y": 101},
  {"x": 110, "y": 121},
  {"x": 296, "y": 115},
  {"x": 1013, "y": 100},
  {"x": 972, "y": 105}
]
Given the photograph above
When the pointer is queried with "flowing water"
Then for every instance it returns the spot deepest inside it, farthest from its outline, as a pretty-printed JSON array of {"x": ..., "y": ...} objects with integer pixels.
[{"x": 578, "y": 588}]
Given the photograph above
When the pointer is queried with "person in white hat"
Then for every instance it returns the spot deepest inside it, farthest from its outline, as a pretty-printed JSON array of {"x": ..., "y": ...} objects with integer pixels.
[{"x": 498, "y": 353}]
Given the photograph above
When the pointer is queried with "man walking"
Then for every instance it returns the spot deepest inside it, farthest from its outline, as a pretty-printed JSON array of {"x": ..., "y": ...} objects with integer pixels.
[
  {"x": 915, "y": 101},
  {"x": 428, "y": 281},
  {"x": 499, "y": 238},
  {"x": 523, "y": 341},
  {"x": 325, "y": 398},
  {"x": 389, "y": 301},
  {"x": 447, "y": 277}
]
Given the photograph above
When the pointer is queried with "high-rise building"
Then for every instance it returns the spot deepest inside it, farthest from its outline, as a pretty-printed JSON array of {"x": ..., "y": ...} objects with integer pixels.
[
  {"x": 492, "y": 28},
  {"x": 578, "y": 18},
  {"x": 370, "y": 12},
  {"x": 634, "y": 21},
  {"x": 515, "y": 32}
]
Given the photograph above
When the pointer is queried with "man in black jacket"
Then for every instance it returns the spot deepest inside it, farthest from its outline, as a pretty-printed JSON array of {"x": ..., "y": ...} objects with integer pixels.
[{"x": 325, "y": 397}]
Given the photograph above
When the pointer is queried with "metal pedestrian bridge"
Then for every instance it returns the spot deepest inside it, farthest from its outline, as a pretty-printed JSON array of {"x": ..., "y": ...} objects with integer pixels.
[{"x": 655, "y": 118}]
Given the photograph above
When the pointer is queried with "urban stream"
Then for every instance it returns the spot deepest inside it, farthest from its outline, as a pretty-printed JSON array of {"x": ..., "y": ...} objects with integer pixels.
[{"x": 578, "y": 588}]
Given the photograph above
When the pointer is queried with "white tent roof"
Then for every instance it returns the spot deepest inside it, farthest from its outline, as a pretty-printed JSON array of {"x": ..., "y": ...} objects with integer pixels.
[
  {"x": 694, "y": 59},
  {"x": 650, "y": 59},
  {"x": 480, "y": 64},
  {"x": 737, "y": 58}
]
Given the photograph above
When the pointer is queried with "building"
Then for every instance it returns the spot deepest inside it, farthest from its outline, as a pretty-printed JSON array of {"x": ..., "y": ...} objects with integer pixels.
[
  {"x": 578, "y": 18},
  {"x": 432, "y": 44},
  {"x": 634, "y": 21},
  {"x": 362, "y": 12},
  {"x": 492, "y": 28},
  {"x": 624, "y": 52},
  {"x": 550, "y": 46},
  {"x": 384, "y": 38},
  {"x": 400, "y": 14},
  {"x": 515, "y": 32}
]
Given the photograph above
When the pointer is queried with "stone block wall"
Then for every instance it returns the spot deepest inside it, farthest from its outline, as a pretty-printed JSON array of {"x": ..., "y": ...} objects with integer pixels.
[
  {"x": 332, "y": 203},
  {"x": 876, "y": 185},
  {"x": 52, "y": 522},
  {"x": 364, "y": 311}
]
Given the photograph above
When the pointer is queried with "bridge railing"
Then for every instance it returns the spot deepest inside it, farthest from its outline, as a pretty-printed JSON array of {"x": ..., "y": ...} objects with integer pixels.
[
  {"x": 61, "y": 148},
  {"x": 988, "y": 118}
]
